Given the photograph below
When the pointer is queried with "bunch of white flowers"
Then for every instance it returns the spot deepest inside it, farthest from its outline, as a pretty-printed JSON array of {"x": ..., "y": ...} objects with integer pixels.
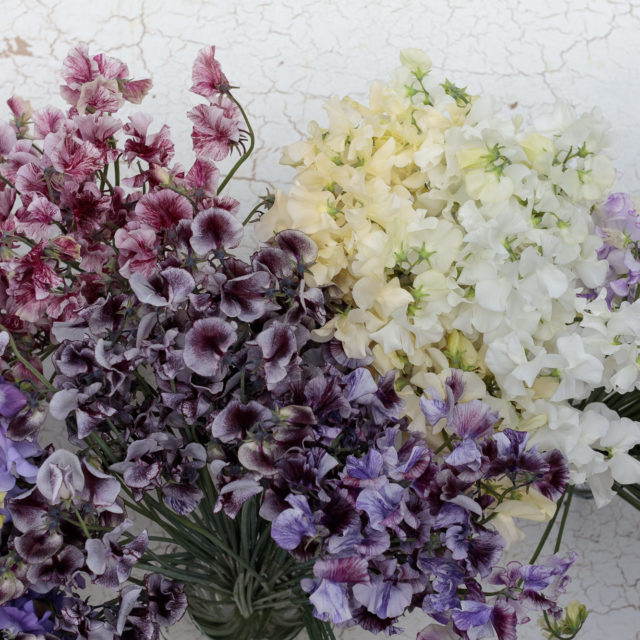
[{"x": 461, "y": 237}]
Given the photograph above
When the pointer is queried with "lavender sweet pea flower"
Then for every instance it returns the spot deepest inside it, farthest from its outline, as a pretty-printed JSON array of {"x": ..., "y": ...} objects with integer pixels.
[
  {"x": 19, "y": 616},
  {"x": 382, "y": 597},
  {"x": 12, "y": 400},
  {"x": 328, "y": 591},
  {"x": 293, "y": 525},
  {"x": 14, "y": 461}
]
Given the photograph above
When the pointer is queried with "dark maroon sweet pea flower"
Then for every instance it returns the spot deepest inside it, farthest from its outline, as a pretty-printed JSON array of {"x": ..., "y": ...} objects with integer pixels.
[
  {"x": 60, "y": 569},
  {"x": 245, "y": 297},
  {"x": 38, "y": 545},
  {"x": 169, "y": 288},
  {"x": 297, "y": 245},
  {"x": 237, "y": 419},
  {"x": 181, "y": 497},
  {"x": 554, "y": 482},
  {"x": 214, "y": 229},
  {"x": 206, "y": 344},
  {"x": 163, "y": 209},
  {"x": 278, "y": 346},
  {"x": 110, "y": 562},
  {"x": 167, "y": 600}
]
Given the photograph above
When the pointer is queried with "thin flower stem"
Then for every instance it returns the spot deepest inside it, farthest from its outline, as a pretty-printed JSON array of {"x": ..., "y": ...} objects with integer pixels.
[
  {"x": 82, "y": 524},
  {"x": 547, "y": 531},
  {"x": 563, "y": 522},
  {"x": 26, "y": 363},
  {"x": 9, "y": 183},
  {"x": 246, "y": 154}
]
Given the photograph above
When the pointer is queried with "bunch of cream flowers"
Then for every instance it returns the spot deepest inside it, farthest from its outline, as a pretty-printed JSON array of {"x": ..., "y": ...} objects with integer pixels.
[{"x": 462, "y": 237}]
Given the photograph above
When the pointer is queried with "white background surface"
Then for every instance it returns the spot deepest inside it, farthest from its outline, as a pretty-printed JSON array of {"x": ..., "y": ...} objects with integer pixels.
[{"x": 288, "y": 57}]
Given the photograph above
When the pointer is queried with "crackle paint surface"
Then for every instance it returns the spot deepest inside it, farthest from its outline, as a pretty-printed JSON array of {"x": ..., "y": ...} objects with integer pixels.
[{"x": 289, "y": 56}]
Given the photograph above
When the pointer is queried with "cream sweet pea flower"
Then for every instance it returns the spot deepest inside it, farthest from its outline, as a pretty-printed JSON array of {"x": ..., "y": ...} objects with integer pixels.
[{"x": 437, "y": 216}]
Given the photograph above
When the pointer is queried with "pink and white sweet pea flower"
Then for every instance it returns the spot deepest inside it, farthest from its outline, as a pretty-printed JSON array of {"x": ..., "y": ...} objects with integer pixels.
[{"x": 208, "y": 77}]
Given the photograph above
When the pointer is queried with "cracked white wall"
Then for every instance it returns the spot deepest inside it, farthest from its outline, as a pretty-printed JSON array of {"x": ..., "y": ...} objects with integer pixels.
[{"x": 289, "y": 56}]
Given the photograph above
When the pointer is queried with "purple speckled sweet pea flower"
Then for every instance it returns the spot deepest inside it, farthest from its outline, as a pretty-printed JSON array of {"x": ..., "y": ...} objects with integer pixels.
[
  {"x": 384, "y": 598},
  {"x": 365, "y": 471},
  {"x": 474, "y": 618},
  {"x": 328, "y": 591},
  {"x": 383, "y": 506},
  {"x": 472, "y": 419}
]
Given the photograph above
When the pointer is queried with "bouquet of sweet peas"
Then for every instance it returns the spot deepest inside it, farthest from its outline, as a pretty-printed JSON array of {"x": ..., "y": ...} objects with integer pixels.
[{"x": 287, "y": 482}]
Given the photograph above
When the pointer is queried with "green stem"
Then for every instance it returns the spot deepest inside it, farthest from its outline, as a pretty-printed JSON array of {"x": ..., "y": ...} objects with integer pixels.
[
  {"x": 547, "y": 531},
  {"x": 247, "y": 153},
  {"x": 563, "y": 522},
  {"x": 26, "y": 363}
]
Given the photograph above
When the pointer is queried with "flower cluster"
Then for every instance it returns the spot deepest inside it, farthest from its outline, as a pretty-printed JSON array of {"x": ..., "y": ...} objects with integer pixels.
[
  {"x": 462, "y": 237},
  {"x": 195, "y": 390}
]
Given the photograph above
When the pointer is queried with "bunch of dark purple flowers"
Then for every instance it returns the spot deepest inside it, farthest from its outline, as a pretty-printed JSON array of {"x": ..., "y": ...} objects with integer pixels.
[{"x": 281, "y": 472}]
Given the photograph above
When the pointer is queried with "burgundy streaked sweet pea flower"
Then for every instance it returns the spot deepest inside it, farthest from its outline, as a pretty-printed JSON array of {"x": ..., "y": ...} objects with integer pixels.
[
  {"x": 213, "y": 134},
  {"x": 472, "y": 419},
  {"x": 234, "y": 494},
  {"x": 167, "y": 600},
  {"x": 156, "y": 148},
  {"x": 298, "y": 245},
  {"x": 76, "y": 159},
  {"x": 203, "y": 178},
  {"x": 7, "y": 139},
  {"x": 36, "y": 221},
  {"x": 101, "y": 95},
  {"x": 137, "y": 247},
  {"x": 162, "y": 209},
  {"x": 206, "y": 343},
  {"x": 214, "y": 229},
  {"x": 208, "y": 79}
]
